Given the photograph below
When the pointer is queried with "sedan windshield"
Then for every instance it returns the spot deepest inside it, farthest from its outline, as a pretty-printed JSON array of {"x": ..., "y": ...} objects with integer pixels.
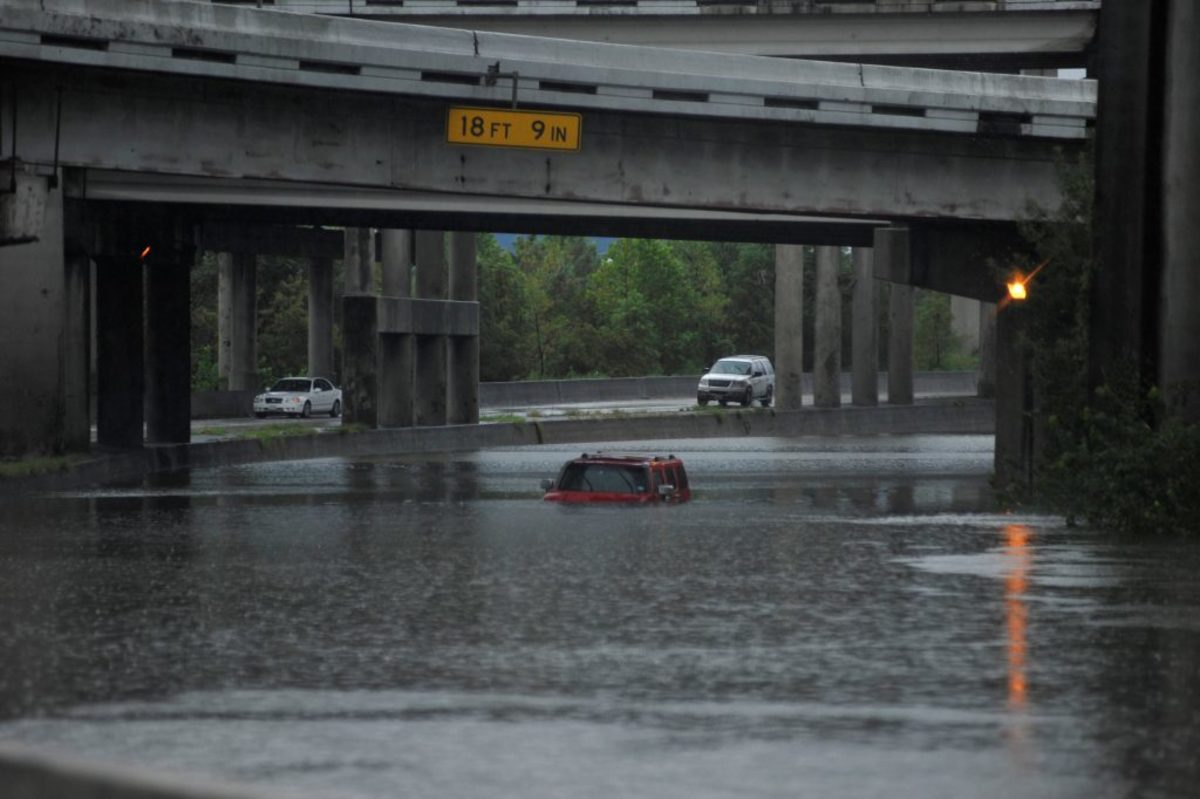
[
  {"x": 731, "y": 368},
  {"x": 292, "y": 385}
]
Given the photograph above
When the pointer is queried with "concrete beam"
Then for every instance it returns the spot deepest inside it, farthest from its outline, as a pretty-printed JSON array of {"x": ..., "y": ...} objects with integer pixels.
[
  {"x": 269, "y": 202},
  {"x": 964, "y": 260},
  {"x": 289, "y": 241},
  {"x": 735, "y": 164},
  {"x": 985, "y": 41}
]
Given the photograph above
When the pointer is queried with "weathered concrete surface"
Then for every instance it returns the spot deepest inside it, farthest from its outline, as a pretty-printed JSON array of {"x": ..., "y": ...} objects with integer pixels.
[
  {"x": 360, "y": 368},
  {"x": 789, "y": 327},
  {"x": 320, "y": 317},
  {"x": 1179, "y": 364},
  {"x": 864, "y": 333},
  {"x": 43, "y": 340},
  {"x": 23, "y": 206},
  {"x": 945, "y": 416},
  {"x": 827, "y": 331}
]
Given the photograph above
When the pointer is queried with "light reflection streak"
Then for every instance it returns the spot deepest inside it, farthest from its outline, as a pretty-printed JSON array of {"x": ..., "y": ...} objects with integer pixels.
[{"x": 1016, "y": 619}]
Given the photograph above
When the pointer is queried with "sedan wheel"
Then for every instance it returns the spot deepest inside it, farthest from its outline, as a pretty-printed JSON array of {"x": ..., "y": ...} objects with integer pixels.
[
  {"x": 336, "y": 410},
  {"x": 307, "y": 412}
]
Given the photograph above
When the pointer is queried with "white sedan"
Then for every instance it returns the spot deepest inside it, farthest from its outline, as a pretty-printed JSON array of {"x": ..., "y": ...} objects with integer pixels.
[{"x": 299, "y": 396}]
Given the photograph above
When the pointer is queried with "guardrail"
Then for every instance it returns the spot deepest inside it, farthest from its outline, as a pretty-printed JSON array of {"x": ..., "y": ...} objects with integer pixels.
[{"x": 521, "y": 393}]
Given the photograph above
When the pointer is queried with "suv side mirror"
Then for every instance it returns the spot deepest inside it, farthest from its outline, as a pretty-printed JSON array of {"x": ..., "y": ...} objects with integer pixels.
[
  {"x": 547, "y": 484},
  {"x": 759, "y": 373}
]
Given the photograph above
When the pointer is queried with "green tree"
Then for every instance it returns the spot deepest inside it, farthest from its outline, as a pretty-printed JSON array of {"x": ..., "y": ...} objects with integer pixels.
[
  {"x": 506, "y": 341},
  {"x": 204, "y": 323},
  {"x": 555, "y": 271},
  {"x": 282, "y": 318},
  {"x": 934, "y": 342},
  {"x": 748, "y": 325}
]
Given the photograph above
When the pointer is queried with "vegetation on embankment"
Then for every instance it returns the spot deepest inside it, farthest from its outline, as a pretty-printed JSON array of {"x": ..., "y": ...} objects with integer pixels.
[{"x": 1110, "y": 454}]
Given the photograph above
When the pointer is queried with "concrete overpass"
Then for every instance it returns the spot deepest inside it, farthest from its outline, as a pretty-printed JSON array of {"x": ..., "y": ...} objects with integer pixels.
[
  {"x": 219, "y": 112},
  {"x": 1009, "y": 35}
]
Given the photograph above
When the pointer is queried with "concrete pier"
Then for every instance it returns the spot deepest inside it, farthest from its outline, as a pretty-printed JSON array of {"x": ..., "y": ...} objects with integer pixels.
[
  {"x": 864, "y": 387},
  {"x": 900, "y": 345},
  {"x": 462, "y": 404},
  {"x": 120, "y": 365},
  {"x": 360, "y": 330},
  {"x": 44, "y": 327},
  {"x": 320, "y": 317},
  {"x": 237, "y": 321},
  {"x": 827, "y": 344},
  {"x": 168, "y": 336},
  {"x": 429, "y": 401},
  {"x": 397, "y": 351},
  {"x": 892, "y": 257},
  {"x": 1179, "y": 331},
  {"x": 789, "y": 326}
]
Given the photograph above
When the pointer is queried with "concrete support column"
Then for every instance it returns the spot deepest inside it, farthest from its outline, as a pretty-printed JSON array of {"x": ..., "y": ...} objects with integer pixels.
[
  {"x": 358, "y": 260},
  {"x": 360, "y": 330},
  {"x": 396, "y": 351},
  {"x": 864, "y": 384},
  {"x": 397, "y": 260},
  {"x": 1179, "y": 329},
  {"x": 360, "y": 359},
  {"x": 827, "y": 343},
  {"x": 44, "y": 299},
  {"x": 429, "y": 401},
  {"x": 168, "y": 338},
  {"x": 320, "y": 317},
  {"x": 900, "y": 345},
  {"x": 1014, "y": 403},
  {"x": 893, "y": 258},
  {"x": 237, "y": 321},
  {"x": 789, "y": 326},
  {"x": 120, "y": 376},
  {"x": 463, "y": 370},
  {"x": 986, "y": 386}
]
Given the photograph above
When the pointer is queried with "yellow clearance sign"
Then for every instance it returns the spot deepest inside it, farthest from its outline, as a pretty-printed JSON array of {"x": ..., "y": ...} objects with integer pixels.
[{"x": 530, "y": 130}]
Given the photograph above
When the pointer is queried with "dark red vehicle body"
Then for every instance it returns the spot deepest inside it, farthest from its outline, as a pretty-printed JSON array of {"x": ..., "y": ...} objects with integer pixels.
[{"x": 633, "y": 479}]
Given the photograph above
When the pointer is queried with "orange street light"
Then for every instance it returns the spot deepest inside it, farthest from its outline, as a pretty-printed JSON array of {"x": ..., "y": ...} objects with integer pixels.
[
  {"x": 145, "y": 252},
  {"x": 1016, "y": 290}
]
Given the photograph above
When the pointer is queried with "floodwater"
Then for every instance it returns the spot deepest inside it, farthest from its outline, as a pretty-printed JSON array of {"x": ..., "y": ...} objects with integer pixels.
[{"x": 842, "y": 617}]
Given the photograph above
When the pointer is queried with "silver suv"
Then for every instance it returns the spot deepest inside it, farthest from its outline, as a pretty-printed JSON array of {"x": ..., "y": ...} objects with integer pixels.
[{"x": 738, "y": 378}]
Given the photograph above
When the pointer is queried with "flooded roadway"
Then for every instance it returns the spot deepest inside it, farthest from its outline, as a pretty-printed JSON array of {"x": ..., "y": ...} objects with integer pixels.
[{"x": 827, "y": 618}]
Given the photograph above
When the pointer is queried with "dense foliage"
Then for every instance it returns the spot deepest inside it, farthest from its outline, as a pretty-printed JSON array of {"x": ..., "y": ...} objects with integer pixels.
[{"x": 1109, "y": 454}]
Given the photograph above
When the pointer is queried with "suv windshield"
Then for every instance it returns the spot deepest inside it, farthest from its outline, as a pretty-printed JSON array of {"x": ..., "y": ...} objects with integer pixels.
[
  {"x": 291, "y": 385},
  {"x": 609, "y": 477},
  {"x": 731, "y": 368}
]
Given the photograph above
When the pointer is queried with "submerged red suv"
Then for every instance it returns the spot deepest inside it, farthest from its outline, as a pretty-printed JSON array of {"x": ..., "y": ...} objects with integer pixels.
[{"x": 620, "y": 478}]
